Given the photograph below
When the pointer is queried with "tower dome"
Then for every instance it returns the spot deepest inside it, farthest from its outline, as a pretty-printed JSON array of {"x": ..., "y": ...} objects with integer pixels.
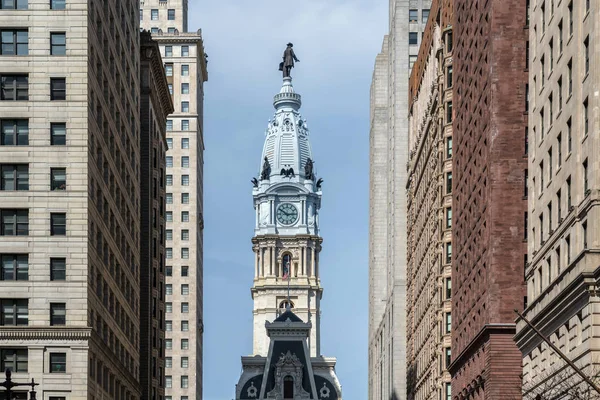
[{"x": 287, "y": 146}]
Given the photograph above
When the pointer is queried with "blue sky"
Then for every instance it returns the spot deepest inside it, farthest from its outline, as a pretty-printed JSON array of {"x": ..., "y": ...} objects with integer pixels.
[{"x": 336, "y": 41}]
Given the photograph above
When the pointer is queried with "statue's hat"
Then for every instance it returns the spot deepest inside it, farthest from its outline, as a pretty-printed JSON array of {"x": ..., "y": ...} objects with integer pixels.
[{"x": 290, "y": 44}]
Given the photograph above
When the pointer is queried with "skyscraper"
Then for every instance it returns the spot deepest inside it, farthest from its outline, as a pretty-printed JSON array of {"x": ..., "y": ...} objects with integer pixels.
[
  {"x": 562, "y": 189},
  {"x": 185, "y": 67},
  {"x": 387, "y": 219},
  {"x": 286, "y": 360},
  {"x": 489, "y": 210},
  {"x": 429, "y": 191},
  {"x": 71, "y": 198}
]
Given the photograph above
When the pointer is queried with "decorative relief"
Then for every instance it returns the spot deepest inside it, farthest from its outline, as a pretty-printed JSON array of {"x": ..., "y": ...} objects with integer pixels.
[{"x": 288, "y": 366}]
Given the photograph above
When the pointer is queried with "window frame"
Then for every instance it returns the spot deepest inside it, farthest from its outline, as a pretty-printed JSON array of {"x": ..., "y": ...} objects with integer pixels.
[
  {"x": 20, "y": 177},
  {"x": 58, "y": 269},
  {"x": 15, "y": 213},
  {"x": 56, "y": 136},
  {"x": 57, "y": 360},
  {"x": 58, "y": 314},
  {"x": 58, "y": 93},
  {"x": 17, "y": 271},
  {"x": 56, "y": 227},
  {"x": 58, "y": 49},
  {"x": 18, "y": 84},
  {"x": 16, "y": 42}
]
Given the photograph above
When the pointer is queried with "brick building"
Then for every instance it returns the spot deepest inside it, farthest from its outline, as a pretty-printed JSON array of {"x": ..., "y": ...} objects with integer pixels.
[
  {"x": 429, "y": 191},
  {"x": 490, "y": 211}
]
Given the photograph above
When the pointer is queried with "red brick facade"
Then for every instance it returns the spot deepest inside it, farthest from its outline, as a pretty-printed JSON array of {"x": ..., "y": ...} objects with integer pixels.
[{"x": 490, "y": 126}]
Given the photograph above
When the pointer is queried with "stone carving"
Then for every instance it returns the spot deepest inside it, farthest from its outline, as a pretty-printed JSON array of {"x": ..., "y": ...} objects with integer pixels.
[
  {"x": 308, "y": 169},
  {"x": 324, "y": 392},
  {"x": 266, "y": 170},
  {"x": 263, "y": 214},
  {"x": 311, "y": 214},
  {"x": 254, "y": 182},
  {"x": 287, "y": 172},
  {"x": 319, "y": 183},
  {"x": 288, "y": 365},
  {"x": 288, "y": 61},
  {"x": 252, "y": 391}
]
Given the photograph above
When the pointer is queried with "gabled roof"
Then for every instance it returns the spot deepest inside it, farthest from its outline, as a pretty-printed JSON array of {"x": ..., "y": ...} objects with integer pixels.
[{"x": 288, "y": 315}]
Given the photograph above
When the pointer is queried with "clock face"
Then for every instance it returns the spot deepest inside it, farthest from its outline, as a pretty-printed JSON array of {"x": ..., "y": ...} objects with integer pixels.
[{"x": 287, "y": 214}]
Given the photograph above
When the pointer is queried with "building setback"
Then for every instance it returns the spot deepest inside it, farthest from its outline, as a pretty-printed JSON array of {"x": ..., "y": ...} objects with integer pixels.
[
  {"x": 185, "y": 66},
  {"x": 387, "y": 200},
  {"x": 563, "y": 192},
  {"x": 71, "y": 198},
  {"x": 155, "y": 106},
  {"x": 429, "y": 190},
  {"x": 490, "y": 212}
]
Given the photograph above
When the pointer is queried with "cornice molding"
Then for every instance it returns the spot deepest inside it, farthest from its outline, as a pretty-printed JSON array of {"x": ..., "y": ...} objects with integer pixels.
[{"x": 44, "y": 333}]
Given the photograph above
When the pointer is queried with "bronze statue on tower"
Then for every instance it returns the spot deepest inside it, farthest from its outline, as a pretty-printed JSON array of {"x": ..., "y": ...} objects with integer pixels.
[{"x": 288, "y": 61}]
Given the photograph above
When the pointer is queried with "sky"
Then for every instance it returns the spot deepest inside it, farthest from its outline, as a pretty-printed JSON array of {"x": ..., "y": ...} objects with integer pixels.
[{"x": 337, "y": 42}]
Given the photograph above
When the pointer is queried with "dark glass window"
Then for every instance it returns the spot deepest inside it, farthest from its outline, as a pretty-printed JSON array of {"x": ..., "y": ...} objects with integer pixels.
[
  {"x": 13, "y": 5},
  {"x": 58, "y": 44},
  {"x": 14, "y": 43},
  {"x": 413, "y": 15},
  {"x": 14, "y": 312},
  {"x": 58, "y": 4},
  {"x": 58, "y": 363},
  {"x": 15, "y": 87},
  {"x": 413, "y": 38},
  {"x": 58, "y": 134},
  {"x": 15, "y": 132},
  {"x": 424, "y": 16},
  {"x": 14, "y": 222},
  {"x": 58, "y": 179},
  {"x": 14, "y": 177},
  {"x": 13, "y": 359},
  {"x": 171, "y": 14},
  {"x": 14, "y": 267},
  {"x": 58, "y": 89},
  {"x": 58, "y": 314},
  {"x": 168, "y": 271},
  {"x": 58, "y": 224},
  {"x": 184, "y": 271},
  {"x": 58, "y": 269},
  {"x": 449, "y": 182}
]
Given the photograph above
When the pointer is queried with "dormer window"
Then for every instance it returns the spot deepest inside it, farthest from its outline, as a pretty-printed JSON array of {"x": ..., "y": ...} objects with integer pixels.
[{"x": 288, "y": 387}]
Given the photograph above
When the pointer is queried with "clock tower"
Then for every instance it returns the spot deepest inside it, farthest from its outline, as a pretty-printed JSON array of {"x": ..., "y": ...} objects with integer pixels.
[{"x": 286, "y": 242}]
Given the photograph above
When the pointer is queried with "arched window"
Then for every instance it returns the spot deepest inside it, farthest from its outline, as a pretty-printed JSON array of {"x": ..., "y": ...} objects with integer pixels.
[
  {"x": 286, "y": 266},
  {"x": 288, "y": 387},
  {"x": 284, "y": 305}
]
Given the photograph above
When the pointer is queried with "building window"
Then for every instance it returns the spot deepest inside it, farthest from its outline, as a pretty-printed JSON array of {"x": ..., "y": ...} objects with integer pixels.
[
  {"x": 169, "y": 125},
  {"x": 169, "y": 180},
  {"x": 184, "y": 381},
  {"x": 424, "y": 15},
  {"x": 154, "y": 30},
  {"x": 169, "y": 143},
  {"x": 570, "y": 77},
  {"x": 586, "y": 186},
  {"x": 185, "y": 253},
  {"x": 168, "y": 289},
  {"x": 58, "y": 314},
  {"x": 449, "y": 42},
  {"x": 185, "y": 271},
  {"x": 568, "y": 244},
  {"x": 58, "y": 179},
  {"x": 169, "y": 162},
  {"x": 154, "y": 15},
  {"x": 58, "y": 134},
  {"x": 14, "y": 177},
  {"x": 448, "y": 182},
  {"x": 15, "y": 267},
  {"x": 14, "y": 42},
  {"x": 448, "y": 353},
  {"x": 560, "y": 94},
  {"x": 185, "y": 180},
  {"x": 185, "y": 326},
  {"x": 185, "y": 344},
  {"x": 185, "y": 51},
  {"x": 185, "y": 70},
  {"x": 185, "y": 216},
  {"x": 58, "y": 44},
  {"x": 171, "y": 14},
  {"x": 169, "y": 216},
  {"x": 168, "y": 381},
  {"x": 185, "y": 106},
  {"x": 448, "y": 288},
  {"x": 560, "y": 37},
  {"x": 13, "y": 359},
  {"x": 185, "y": 362},
  {"x": 559, "y": 205},
  {"x": 185, "y": 308},
  {"x": 169, "y": 235},
  {"x": 168, "y": 362},
  {"x": 449, "y": 147},
  {"x": 413, "y": 38},
  {"x": 13, "y": 5},
  {"x": 15, "y": 87},
  {"x": 141, "y": 14},
  {"x": 448, "y": 391},
  {"x": 169, "y": 253},
  {"x": 413, "y": 16},
  {"x": 448, "y": 218},
  {"x": 585, "y": 235},
  {"x": 412, "y": 59},
  {"x": 58, "y": 269},
  {"x": 185, "y": 143},
  {"x": 15, "y": 222},
  {"x": 185, "y": 124},
  {"x": 58, "y": 224},
  {"x": 448, "y": 321},
  {"x": 14, "y": 312},
  {"x": 586, "y": 53},
  {"x": 169, "y": 69},
  {"x": 168, "y": 307},
  {"x": 185, "y": 289},
  {"x": 170, "y": 86},
  {"x": 449, "y": 112},
  {"x": 586, "y": 125},
  {"x": 169, "y": 198},
  {"x": 168, "y": 51},
  {"x": 15, "y": 132},
  {"x": 185, "y": 88},
  {"x": 58, "y": 89},
  {"x": 185, "y": 234},
  {"x": 168, "y": 344},
  {"x": 448, "y": 253},
  {"x": 525, "y": 224},
  {"x": 449, "y": 80},
  {"x": 185, "y": 198},
  {"x": 185, "y": 163}
]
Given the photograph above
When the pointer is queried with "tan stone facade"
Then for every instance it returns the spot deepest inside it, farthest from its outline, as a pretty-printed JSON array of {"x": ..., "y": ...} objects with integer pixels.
[
  {"x": 429, "y": 190},
  {"x": 185, "y": 66},
  {"x": 563, "y": 193},
  {"x": 387, "y": 199},
  {"x": 70, "y": 198}
]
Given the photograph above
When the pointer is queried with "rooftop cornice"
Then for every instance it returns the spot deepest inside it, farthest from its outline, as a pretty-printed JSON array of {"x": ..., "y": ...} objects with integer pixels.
[{"x": 44, "y": 333}]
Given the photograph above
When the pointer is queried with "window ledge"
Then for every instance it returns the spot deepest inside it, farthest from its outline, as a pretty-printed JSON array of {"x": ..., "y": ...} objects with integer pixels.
[{"x": 586, "y": 76}]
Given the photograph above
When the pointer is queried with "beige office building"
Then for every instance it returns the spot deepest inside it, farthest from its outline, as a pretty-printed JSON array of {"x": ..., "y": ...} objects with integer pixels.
[
  {"x": 185, "y": 66},
  {"x": 563, "y": 192},
  {"x": 429, "y": 191},
  {"x": 70, "y": 197},
  {"x": 387, "y": 218}
]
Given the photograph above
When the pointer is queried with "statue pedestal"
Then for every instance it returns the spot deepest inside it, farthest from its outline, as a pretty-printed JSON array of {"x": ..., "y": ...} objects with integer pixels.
[{"x": 309, "y": 184}]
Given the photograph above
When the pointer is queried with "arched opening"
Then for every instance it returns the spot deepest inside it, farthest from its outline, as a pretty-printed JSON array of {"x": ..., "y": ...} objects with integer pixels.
[
  {"x": 288, "y": 387},
  {"x": 286, "y": 266},
  {"x": 284, "y": 305}
]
